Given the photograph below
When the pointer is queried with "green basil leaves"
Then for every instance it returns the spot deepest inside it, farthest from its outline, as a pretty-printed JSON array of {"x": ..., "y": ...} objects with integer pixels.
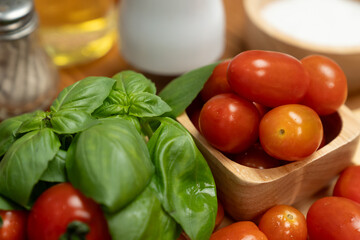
[{"x": 110, "y": 139}]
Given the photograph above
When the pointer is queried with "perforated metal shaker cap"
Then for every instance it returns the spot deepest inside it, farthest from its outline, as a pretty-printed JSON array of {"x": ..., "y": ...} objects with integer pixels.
[{"x": 17, "y": 19}]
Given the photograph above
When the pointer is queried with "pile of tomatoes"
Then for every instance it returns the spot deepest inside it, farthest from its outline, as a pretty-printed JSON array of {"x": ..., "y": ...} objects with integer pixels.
[
  {"x": 334, "y": 217},
  {"x": 269, "y": 101}
]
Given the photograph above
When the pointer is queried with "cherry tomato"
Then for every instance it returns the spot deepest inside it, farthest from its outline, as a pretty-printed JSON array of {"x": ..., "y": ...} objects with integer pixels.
[
  {"x": 334, "y": 218},
  {"x": 348, "y": 184},
  {"x": 13, "y": 225},
  {"x": 290, "y": 132},
  {"x": 229, "y": 123},
  {"x": 217, "y": 82},
  {"x": 219, "y": 215},
  {"x": 239, "y": 231},
  {"x": 61, "y": 208},
  {"x": 328, "y": 85},
  {"x": 283, "y": 222},
  {"x": 256, "y": 157},
  {"x": 268, "y": 78}
]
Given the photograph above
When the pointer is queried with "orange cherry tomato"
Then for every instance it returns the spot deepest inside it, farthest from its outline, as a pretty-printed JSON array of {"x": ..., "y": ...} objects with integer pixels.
[
  {"x": 283, "y": 222},
  {"x": 334, "y": 218},
  {"x": 217, "y": 82},
  {"x": 290, "y": 132},
  {"x": 328, "y": 85},
  {"x": 256, "y": 157},
  {"x": 243, "y": 230},
  {"x": 348, "y": 184},
  {"x": 230, "y": 123}
]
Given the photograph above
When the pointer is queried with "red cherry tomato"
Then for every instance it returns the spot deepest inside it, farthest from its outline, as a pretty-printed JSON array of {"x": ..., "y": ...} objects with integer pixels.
[
  {"x": 334, "y": 218},
  {"x": 217, "y": 82},
  {"x": 348, "y": 184},
  {"x": 219, "y": 215},
  {"x": 239, "y": 231},
  {"x": 62, "y": 206},
  {"x": 283, "y": 222},
  {"x": 256, "y": 157},
  {"x": 229, "y": 123},
  {"x": 328, "y": 85},
  {"x": 13, "y": 225},
  {"x": 268, "y": 78},
  {"x": 290, "y": 132}
]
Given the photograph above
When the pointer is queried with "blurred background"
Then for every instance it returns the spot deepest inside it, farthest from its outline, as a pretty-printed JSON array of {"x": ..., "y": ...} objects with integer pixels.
[{"x": 163, "y": 39}]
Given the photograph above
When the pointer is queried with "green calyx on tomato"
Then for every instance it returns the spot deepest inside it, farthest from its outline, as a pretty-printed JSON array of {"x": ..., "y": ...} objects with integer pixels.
[{"x": 76, "y": 230}]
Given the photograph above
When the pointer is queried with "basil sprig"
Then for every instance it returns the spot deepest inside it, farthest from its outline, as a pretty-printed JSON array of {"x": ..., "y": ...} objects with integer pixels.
[{"x": 110, "y": 138}]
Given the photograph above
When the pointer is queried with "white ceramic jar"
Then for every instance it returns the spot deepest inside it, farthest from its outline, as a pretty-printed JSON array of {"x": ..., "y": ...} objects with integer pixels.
[{"x": 170, "y": 37}]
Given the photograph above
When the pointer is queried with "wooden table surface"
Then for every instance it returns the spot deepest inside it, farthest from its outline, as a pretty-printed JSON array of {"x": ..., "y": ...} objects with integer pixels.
[{"x": 113, "y": 63}]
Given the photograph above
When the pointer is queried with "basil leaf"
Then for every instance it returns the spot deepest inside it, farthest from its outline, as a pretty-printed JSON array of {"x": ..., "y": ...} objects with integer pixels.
[
  {"x": 6, "y": 204},
  {"x": 85, "y": 95},
  {"x": 8, "y": 129},
  {"x": 110, "y": 163},
  {"x": 132, "y": 82},
  {"x": 36, "y": 122},
  {"x": 55, "y": 171},
  {"x": 147, "y": 105},
  {"x": 25, "y": 162},
  {"x": 70, "y": 121},
  {"x": 144, "y": 219},
  {"x": 117, "y": 103},
  {"x": 183, "y": 179},
  {"x": 180, "y": 92}
]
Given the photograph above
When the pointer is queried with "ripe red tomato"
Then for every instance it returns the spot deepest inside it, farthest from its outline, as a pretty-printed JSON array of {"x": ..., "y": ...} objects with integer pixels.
[
  {"x": 290, "y": 132},
  {"x": 268, "y": 78},
  {"x": 219, "y": 215},
  {"x": 256, "y": 157},
  {"x": 217, "y": 82},
  {"x": 13, "y": 225},
  {"x": 283, "y": 222},
  {"x": 60, "y": 206},
  {"x": 334, "y": 218},
  {"x": 348, "y": 184},
  {"x": 328, "y": 85},
  {"x": 239, "y": 231},
  {"x": 229, "y": 123}
]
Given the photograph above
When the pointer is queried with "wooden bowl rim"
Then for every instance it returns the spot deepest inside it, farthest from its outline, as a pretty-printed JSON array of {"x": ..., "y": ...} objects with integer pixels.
[
  {"x": 350, "y": 130},
  {"x": 251, "y": 9}
]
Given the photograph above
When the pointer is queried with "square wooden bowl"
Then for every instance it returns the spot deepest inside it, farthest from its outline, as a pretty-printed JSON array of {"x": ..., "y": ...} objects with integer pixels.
[{"x": 248, "y": 192}]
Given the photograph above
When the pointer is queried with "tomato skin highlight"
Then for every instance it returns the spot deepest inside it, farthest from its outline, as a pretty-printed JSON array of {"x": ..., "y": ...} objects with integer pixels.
[
  {"x": 13, "y": 225},
  {"x": 290, "y": 132},
  {"x": 283, "y": 222},
  {"x": 60, "y": 205},
  {"x": 239, "y": 231},
  {"x": 217, "y": 82},
  {"x": 348, "y": 184},
  {"x": 269, "y": 78},
  {"x": 334, "y": 218},
  {"x": 229, "y": 123},
  {"x": 328, "y": 84}
]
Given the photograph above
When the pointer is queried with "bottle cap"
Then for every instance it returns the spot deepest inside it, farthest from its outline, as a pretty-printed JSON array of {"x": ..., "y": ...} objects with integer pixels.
[{"x": 17, "y": 19}]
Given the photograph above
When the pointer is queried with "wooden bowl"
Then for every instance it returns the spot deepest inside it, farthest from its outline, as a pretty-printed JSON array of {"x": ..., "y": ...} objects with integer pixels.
[
  {"x": 247, "y": 192},
  {"x": 259, "y": 34}
]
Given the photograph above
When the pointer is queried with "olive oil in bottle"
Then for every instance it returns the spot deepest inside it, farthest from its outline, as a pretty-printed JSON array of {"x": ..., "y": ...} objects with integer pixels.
[{"x": 76, "y": 31}]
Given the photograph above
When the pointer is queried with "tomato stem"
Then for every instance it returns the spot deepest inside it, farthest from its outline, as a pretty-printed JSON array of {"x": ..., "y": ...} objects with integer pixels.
[
  {"x": 1, "y": 222},
  {"x": 75, "y": 230}
]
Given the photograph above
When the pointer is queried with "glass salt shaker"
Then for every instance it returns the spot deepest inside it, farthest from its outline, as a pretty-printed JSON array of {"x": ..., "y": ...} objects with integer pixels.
[{"x": 28, "y": 79}]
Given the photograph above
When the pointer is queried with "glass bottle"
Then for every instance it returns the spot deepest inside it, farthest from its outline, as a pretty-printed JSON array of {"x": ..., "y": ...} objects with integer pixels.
[{"x": 76, "y": 31}]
